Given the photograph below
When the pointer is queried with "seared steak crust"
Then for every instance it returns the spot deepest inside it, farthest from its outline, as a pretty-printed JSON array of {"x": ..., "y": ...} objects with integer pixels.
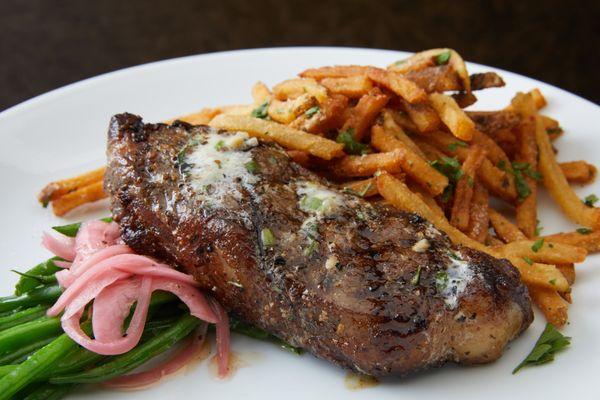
[{"x": 362, "y": 285}]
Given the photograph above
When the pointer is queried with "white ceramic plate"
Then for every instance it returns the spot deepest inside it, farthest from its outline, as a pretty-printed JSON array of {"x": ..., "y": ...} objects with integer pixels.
[{"x": 63, "y": 132}]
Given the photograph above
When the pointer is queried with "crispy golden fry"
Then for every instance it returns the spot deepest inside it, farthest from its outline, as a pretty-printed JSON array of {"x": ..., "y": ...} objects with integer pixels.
[
  {"x": 330, "y": 116},
  {"x": 555, "y": 309},
  {"x": 368, "y": 164},
  {"x": 479, "y": 219},
  {"x": 527, "y": 154},
  {"x": 201, "y": 117},
  {"x": 491, "y": 240},
  {"x": 559, "y": 188},
  {"x": 364, "y": 188},
  {"x": 286, "y": 111},
  {"x": 400, "y": 196},
  {"x": 82, "y": 195},
  {"x": 452, "y": 116},
  {"x": 427, "y": 199},
  {"x": 293, "y": 88},
  {"x": 463, "y": 193},
  {"x": 548, "y": 252},
  {"x": 398, "y": 84},
  {"x": 338, "y": 71},
  {"x": 589, "y": 240},
  {"x": 56, "y": 189},
  {"x": 260, "y": 93},
  {"x": 494, "y": 152},
  {"x": 506, "y": 230},
  {"x": 351, "y": 86},
  {"x": 568, "y": 271},
  {"x": 578, "y": 171},
  {"x": 540, "y": 275},
  {"x": 552, "y": 127},
  {"x": 365, "y": 112},
  {"x": 464, "y": 99},
  {"x": 432, "y": 153},
  {"x": 538, "y": 98},
  {"x": 284, "y": 135},
  {"x": 404, "y": 121},
  {"x": 423, "y": 116},
  {"x": 412, "y": 163},
  {"x": 390, "y": 125}
]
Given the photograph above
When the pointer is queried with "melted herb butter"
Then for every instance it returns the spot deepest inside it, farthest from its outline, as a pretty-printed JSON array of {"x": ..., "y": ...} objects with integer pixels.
[
  {"x": 214, "y": 162},
  {"x": 317, "y": 199},
  {"x": 458, "y": 275}
]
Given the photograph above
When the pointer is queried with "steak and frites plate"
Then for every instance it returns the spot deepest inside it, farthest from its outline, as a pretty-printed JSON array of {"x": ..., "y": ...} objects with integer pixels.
[{"x": 498, "y": 162}]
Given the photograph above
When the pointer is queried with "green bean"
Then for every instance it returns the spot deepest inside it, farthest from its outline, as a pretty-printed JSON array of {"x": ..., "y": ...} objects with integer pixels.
[
  {"x": 30, "y": 370},
  {"x": 41, "y": 295},
  {"x": 21, "y": 353},
  {"x": 26, "y": 284},
  {"x": 18, "y": 336},
  {"x": 69, "y": 230},
  {"x": 5, "y": 369},
  {"x": 49, "y": 392},
  {"x": 122, "y": 364},
  {"x": 20, "y": 317},
  {"x": 42, "y": 279}
]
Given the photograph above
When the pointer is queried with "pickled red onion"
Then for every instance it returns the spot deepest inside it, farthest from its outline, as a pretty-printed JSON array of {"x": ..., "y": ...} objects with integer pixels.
[{"x": 62, "y": 246}]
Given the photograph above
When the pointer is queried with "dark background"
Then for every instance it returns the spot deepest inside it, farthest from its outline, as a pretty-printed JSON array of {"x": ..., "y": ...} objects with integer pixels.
[{"x": 46, "y": 44}]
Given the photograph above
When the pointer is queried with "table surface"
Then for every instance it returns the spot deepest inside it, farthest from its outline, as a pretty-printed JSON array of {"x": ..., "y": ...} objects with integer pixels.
[{"x": 48, "y": 44}]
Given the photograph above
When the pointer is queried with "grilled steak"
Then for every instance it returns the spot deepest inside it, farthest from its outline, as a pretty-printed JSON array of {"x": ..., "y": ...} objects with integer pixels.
[{"x": 362, "y": 285}]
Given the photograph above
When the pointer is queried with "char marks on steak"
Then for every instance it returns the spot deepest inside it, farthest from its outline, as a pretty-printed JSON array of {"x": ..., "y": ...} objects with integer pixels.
[{"x": 360, "y": 284}]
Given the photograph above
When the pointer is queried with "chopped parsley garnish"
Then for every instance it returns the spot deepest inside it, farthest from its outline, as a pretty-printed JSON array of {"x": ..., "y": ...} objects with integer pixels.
[
  {"x": 526, "y": 168},
  {"x": 251, "y": 166},
  {"x": 312, "y": 111},
  {"x": 441, "y": 280},
  {"x": 450, "y": 167},
  {"x": 181, "y": 155},
  {"x": 311, "y": 203},
  {"x": 272, "y": 160},
  {"x": 312, "y": 246},
  {"x": 365, "y": 189},
  {"x": 267, "y": 238},
  {"x": 220, "y": 144},
  {"x": 584, "y": 231},
  {"x": 454, "y": 256},
  {"x": 399, "y": 62},
  {"x": 538, "y": 228},
  {"x": 454, "y": 145},
  {"x": 443, "y": 58},
  {"x": 470, "y": 181},
  {"x": 551, "y": 341},
  {"x": 350, "y": 144},
  {"x": 590, "y": 200},
  {"x": 554, "y": 131},
  {"x": 552, "y": 281},
  {"x": 416, "y": 277},
  {"x": 528, "y": 260},
  {"x": 261, "y": 111},
  {"x": 537, "y": 245}
]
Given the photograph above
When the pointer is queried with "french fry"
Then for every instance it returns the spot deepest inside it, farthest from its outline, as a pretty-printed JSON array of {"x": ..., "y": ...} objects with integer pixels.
[
  {"x": 485, "y": 80},
  {"x": 412, "y": 163},
  {"x": 557, "y": 184},
  {"x": 82, "y": 195},
  {"x": 588, "y": 240},
  {"x": 284, "y": 135},
  {"x": 578, "y": 171},
  {"x": 398, "y": 84},
  {"x": 452, "y": 116},
  {"x": 423, "y": 116},
  {"x": 338, "y": 71},
  {"x": 432, "y": 153},
  {"x": 400, "y": 196},
  {"x": 365, "y": 112},
  {"x": 293, "y": 88},
  {"x": 540, "y": 275},
  {"x": 286, "y": 111},
  {"x": 464, "y": 99},
  {"x": 538, "y": 98},
  {"x": 555, "y": 309},
  {"x": 351, "y": 86},
  {"x": 390, "y": 125},
  {"x": 549, "y": 253},
  {"x": 368, "y": 164},
  {"x": 438, "y": 78},
  {"x": 365, "y": 188},
  {"x": 527, "y": 154},
  {"x": 330, "y": 116},
  {"x": 506, "y": 230},
  {"x": 54, "y": 190},
  {"x": 491, "y": 240},
  {"x": 463, "y": 192},
  {"x": 552, "y": 127},
  {"x": 299, "y": 156},
  {"x": 568, "y": 271},
  {"x": 403, "y": 120},
  {"x": 260, "y": 93},
  {"x": 479, "y": 220}
]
